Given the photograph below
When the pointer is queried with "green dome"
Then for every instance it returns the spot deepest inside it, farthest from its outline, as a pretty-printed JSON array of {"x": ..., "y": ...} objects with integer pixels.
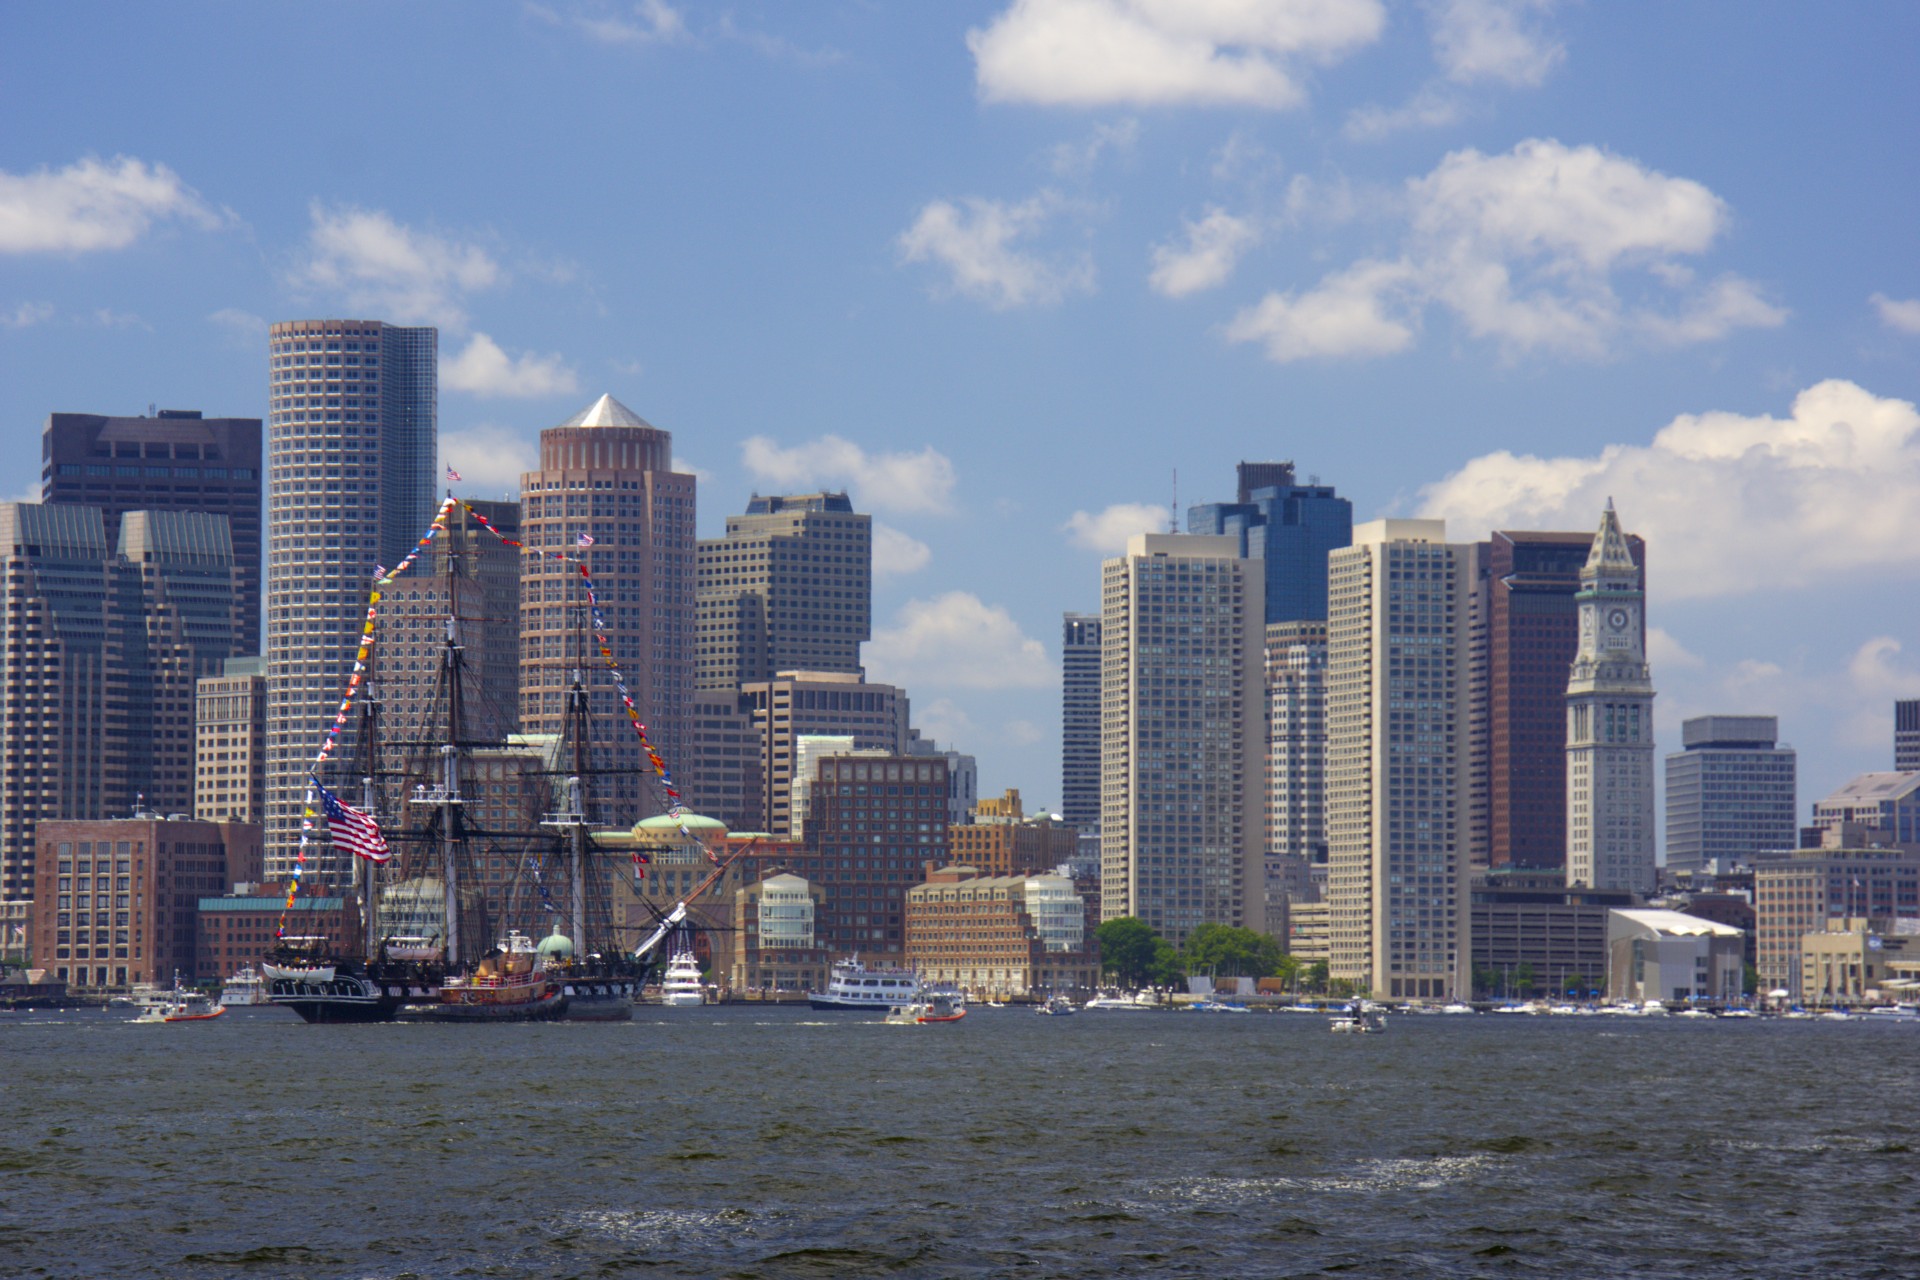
[
  {"x": 555, "y": 944},
  {"x": 666, "y": 825}
]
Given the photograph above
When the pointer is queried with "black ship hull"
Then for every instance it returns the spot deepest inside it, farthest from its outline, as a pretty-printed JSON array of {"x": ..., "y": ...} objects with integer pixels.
[
  {"x": 601, "y": 999},
  {"x": 347, "y": 998}
]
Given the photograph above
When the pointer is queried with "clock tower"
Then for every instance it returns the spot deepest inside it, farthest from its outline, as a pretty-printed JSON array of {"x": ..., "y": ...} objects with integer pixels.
[{"x": 1610, "y": 837}]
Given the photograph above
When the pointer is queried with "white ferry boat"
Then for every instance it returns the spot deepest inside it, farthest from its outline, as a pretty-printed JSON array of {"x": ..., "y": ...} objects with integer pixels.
[
  {"x": 854, "y": 986},
  {"x": 681, "y": 985},
  {"x": 244, "y": 988}
]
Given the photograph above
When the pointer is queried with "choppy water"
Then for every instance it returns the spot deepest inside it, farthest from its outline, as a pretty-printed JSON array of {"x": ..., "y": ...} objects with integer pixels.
[{"x": 749, "y": 1142}]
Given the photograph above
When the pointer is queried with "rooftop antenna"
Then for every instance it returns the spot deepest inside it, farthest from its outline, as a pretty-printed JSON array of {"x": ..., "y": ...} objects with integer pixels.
[{"x": 1173, "y": 508}]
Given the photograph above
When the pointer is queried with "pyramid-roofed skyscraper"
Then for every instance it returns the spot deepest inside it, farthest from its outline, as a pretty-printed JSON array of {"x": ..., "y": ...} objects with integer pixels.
[{"x": 606, "y": 493}]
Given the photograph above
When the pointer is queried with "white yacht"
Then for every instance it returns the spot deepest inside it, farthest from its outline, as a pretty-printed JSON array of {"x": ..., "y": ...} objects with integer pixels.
[
  {"x": 1139, "y": 1000},
  {"x": 244, "y": 988},
  {"x": 854, "y": 986},
  {"x": 681, "y": 985}
]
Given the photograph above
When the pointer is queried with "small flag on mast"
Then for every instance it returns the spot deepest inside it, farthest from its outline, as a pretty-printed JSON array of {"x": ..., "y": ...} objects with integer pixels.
[
  {"x": 352, "y": 830},
  {"x": 452, "y": 474},
  {"x": 584, "y": 540}
]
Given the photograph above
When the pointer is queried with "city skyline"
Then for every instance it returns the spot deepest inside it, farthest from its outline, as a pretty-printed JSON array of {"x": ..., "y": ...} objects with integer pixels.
[{"x": 1001, "y": 307}]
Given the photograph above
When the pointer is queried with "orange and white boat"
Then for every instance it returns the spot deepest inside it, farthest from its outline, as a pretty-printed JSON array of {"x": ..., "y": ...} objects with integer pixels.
[{"x": 182, "y": 1005}]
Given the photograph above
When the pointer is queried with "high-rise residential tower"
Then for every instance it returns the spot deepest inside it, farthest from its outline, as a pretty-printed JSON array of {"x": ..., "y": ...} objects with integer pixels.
[
  {"x": 1397, "y": 784},
  {"x": 1730, "y": 793},
  {"x": 1182, "y": 731},
  {"x": 350, "y": 460},
  {"x": 606, "y": 493},
  {"x": 1610, "y": 832},
  {"x": 175, "y": 461},
  {"x": 1288, "y": 528},
  {"x": 1080, "y": 721},
  {"x": 789, "y": 588}
]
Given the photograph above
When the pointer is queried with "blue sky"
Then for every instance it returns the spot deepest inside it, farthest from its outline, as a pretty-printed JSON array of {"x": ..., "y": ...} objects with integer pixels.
[{"x": 1002, "y": 269}]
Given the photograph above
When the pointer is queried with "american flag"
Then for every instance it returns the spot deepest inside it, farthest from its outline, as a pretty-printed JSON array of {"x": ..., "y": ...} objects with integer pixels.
[
  {"x": 452, "y": 474},
  {"x": 584, "y": 540},
  {"x": 352, "y": 830}
]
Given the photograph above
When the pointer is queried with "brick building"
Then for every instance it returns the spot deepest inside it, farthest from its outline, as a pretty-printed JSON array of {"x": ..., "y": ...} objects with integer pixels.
[
  {"x": 1002, "y": 841},
  {"x": 116, "y": 900},
  {"x": 1000, "y": 935}
]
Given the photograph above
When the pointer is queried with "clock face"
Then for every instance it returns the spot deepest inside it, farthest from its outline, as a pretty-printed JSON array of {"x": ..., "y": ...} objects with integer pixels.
[{"x": 1617, "y": 619}]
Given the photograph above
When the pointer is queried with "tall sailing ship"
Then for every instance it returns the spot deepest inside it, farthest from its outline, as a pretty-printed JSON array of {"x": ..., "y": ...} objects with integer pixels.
[{"x": 435, "y": 945}]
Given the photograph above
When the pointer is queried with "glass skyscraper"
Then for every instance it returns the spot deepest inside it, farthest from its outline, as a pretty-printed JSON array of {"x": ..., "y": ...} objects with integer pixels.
[{"x": 1291, "y": 527}]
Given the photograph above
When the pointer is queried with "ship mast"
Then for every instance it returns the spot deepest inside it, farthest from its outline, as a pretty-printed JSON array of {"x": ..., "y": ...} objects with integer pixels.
[
  {"x": 369, "y": 870},
  {"x": 446, "y": 796}
]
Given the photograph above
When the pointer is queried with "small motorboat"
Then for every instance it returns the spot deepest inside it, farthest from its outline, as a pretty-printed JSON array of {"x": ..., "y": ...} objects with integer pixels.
[
  {"x": 1057, "y": 1007},
  {"x": 937, "y": 1008},
  {"x": 1357, "y": 1021},
  {"x": 182, "y": 1004}
]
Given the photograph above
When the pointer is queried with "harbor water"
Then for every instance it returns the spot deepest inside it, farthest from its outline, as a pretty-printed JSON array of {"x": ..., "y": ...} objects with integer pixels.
[{"x": 751, "y": 1141}]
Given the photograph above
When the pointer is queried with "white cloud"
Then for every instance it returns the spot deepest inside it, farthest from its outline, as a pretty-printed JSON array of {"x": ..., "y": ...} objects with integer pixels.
[
  {"x": 1212, "y": 250},
  {"x": 943, "y": 721},
  {"x": 243, "y": 325},
  {"x": 26, "y": 315},
  {"x": 1902, "y": 314},
  {"x": 1528, "y": 249},
  {"x": 1475, "y": 40},
  {"x": 700, "y": 474},
  {"x": 1666, "y": 653},
  {"x": 489, "y": 458},
  {"x": 1086, "y": 53},
  {"x": 652, "y": 22},
  {"x": 1107, "y": 531},
  {"x": 483, "y": 369},
  {"x": 91, "y": 205},
  {"x": 108, "y": 318},
  {"x": 1728, "y": 504},
  {"x": 1362, "y": 311},
  {"x": 976, "y": 245},
  {"x": 913, "y": 482},
  {"x": 378, "y": 265},
  {"x": 957, "y": 640},
  {"x": 896, "y": 554},
  {"x": 1022, "y": 732},
  {"x": 1433, "y": 107},
  {"x": 1072, "y": 160}
]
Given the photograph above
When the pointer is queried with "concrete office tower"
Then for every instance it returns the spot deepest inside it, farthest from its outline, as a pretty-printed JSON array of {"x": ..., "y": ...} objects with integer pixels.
[
  {"x": 722, "y": 776},
  {"x": 1080, "y": 721},
  {"x": 102, "y": 653},
  {"x": 1183, "y": 728},
  {"x": 474, "y": 577},
  {"x": 1289, "y": 528},
  {"x": 1730, "y": 793},
  {"x": 1526, "y": 631},
  {"x": 607, "y": 475},
  {"x": 1610, "y": 840},
  {"x": 789, "y": 588},
  {"x": 1397, "y": 776},
  {"x": 350, "y": 461},
  {"x": 230, "y": 737},
  {"x": 800, "y": 703},
  {"x": 177, "y": 461},
  {"x": 1906, "y": 735}
]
